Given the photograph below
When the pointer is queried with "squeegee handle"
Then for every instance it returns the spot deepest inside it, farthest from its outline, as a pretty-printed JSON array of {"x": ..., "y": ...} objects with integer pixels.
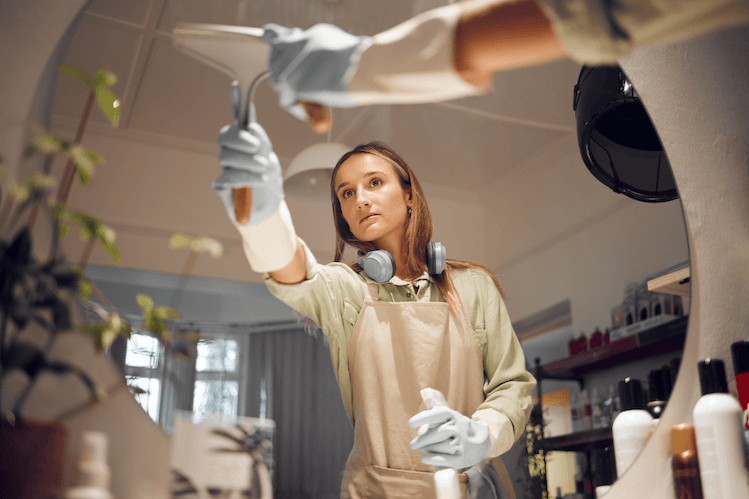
[{"x": 243, "y": 204}]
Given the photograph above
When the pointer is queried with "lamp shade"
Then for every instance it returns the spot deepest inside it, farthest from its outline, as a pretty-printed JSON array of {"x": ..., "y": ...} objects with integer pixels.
[{"x": 308, "y": 174}]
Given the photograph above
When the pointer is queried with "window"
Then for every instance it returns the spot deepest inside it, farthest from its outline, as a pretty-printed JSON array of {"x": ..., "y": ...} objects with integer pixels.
[
  {"x": 217, "y": 377},
  {"x": 210, "y": 382},
  {"x": 142, "y": 362}
]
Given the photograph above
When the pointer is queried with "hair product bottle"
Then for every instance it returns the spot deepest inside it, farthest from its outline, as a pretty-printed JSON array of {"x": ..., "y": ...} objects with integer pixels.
[
  {"x": 740, "y": 355},
  {"x": 685, "y": 464},
  {"x": 575, "y": 413},
  {"x": 720, "y": 436},
  {"x": 632, "y": 427},
  {"x": 595, "y": 409},
  {"x": 93, "y": 470},
  {"x": 587, "y": 420}
]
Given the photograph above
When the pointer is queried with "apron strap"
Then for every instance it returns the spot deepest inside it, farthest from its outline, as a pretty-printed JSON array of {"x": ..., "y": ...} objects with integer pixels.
[{"x": 372, "y": 291}]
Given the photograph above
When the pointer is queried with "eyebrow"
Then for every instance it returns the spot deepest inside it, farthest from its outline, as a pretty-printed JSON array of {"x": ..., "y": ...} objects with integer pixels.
[{"x": 368, "y": 174}]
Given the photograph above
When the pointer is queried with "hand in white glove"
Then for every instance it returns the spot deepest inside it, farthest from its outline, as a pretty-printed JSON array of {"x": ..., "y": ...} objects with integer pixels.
[
  {"x": 312, "y": 65},
  {"x": 449, "y": 439},
  {"x": 248, "y": 160},
  {"x": 410, "y": 63}
]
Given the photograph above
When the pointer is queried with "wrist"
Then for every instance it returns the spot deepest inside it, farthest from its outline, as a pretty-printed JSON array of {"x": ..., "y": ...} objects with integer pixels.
[
  {"x": 501, "y": 431},
  {"x": 271, "y": 244}
]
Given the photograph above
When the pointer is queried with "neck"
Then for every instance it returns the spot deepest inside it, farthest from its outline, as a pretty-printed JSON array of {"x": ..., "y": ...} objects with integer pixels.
[{"x": 395, "y": 247}]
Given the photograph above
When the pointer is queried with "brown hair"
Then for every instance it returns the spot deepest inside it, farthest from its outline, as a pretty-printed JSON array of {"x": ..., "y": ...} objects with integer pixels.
[{"x": 418, "y": 227}]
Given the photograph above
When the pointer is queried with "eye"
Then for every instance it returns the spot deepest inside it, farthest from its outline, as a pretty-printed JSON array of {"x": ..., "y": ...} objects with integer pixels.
[
  {"x": 376, "y": 182},
  {"x": 347, "y": 193}
]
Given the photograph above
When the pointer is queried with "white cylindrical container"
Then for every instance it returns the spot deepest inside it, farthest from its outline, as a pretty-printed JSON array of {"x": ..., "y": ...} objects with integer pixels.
[
  {"x": 93, "y": 470},
  {"x": 586, "y": 415},
  {"x": 632, "y": 427},
  {"x": 720, "y": 438}
]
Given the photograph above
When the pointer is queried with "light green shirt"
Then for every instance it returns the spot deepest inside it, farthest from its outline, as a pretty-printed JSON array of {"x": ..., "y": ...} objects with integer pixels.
[
  {"x": 332, "y": 296},
  {"x": 601, "y": 32}
]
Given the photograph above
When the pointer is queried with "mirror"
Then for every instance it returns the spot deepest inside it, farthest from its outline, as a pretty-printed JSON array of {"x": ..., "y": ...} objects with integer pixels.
[{"x": 502, "y": 174}]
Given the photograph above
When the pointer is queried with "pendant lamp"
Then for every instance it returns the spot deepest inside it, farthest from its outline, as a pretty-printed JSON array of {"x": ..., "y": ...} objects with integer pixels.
[
  {"x": 618, "y": 142},
  {"x": 308, "y": 175}
]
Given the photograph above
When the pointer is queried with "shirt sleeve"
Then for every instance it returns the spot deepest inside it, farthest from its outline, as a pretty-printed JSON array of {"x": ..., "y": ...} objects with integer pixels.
[
  {"x": 328, "y": 295},
  {"x": 602, "y": 31},
  {"x": 508, "y": 386}
]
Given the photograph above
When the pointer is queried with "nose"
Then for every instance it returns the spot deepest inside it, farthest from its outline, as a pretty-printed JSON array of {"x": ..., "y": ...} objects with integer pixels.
[{"x": 362, "y": 198}]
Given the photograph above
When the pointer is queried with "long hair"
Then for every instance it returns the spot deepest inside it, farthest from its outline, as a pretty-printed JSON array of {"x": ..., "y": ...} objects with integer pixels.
[{"x": 419, "y": 226}]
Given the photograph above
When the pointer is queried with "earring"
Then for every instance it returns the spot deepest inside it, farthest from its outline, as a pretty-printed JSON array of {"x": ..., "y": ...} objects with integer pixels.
[{"x": 409, "y": 211}]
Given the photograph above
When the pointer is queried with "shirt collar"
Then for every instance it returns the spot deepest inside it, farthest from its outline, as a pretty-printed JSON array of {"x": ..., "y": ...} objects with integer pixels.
[{"x": 398, "y": 281}]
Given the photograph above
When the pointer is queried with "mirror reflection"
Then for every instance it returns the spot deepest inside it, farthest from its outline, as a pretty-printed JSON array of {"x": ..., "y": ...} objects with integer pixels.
[{"x": 506, "y": 186}]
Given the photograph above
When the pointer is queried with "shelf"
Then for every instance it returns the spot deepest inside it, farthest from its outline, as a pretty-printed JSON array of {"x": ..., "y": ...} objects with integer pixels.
[
  {"x": 673, "y": 283},
  {"x": 580, "y": 441},
  {"x": 667, "y": 337}
]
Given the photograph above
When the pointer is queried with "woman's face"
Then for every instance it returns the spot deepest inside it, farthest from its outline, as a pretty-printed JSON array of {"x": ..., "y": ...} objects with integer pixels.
[{"x": 373, "y": 203}]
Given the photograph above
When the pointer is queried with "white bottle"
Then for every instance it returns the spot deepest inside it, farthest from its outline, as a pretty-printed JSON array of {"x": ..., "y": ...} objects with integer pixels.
[
  {"x": 595, "y": 409},
  {"x": 616, "y": 403},
  {"x": 575, "y": 413},
  {"x": 720, "y": 441},
  {"x": 587, "y": 423},
  {"x": 632, "y": 427},
  {"x": 93, "y": 471}
]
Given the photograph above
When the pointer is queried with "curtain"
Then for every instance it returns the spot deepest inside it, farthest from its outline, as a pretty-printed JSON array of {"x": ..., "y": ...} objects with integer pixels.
[{"x": 292, "y": 382}]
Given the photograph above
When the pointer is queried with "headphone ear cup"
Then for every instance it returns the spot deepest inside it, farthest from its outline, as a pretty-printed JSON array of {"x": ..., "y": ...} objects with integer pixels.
[
  {"x": 436, "y": 258},
  {"x": 379, "y": 265}
]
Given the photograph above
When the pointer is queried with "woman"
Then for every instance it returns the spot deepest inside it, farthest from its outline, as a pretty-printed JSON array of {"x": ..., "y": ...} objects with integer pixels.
[{"x": 390, "y": 340}]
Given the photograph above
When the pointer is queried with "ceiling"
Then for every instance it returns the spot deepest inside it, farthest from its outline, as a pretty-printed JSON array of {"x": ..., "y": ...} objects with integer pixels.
[{"x": 168, "y": 94}]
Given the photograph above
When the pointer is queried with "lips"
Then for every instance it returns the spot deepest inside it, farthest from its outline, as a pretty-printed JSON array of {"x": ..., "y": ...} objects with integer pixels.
[{"x": 368, "y": 217}]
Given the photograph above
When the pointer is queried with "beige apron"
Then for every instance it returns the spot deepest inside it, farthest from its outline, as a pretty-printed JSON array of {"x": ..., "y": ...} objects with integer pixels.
[{"x": 396, "y": 350}]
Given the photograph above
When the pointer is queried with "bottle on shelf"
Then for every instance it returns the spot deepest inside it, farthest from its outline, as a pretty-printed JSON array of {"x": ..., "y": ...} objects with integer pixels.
[
  {"x": 632, "y": 427},
  {"x": 596, "y": 339},
  {"x": 616, "y": 402},
  {"x": 595, "y": 409},
  {"x": 93, "y": 470},
  {"x": 740, "y": 357},
  {"x": 606, "y": 404},
  {"x": 575, "y": 413},
  {"x": 685, "y": 464},
  {"x": 719, "y": 429},
  {"x": 587, "y": 422},
  {"x": 658, "y": 396}
]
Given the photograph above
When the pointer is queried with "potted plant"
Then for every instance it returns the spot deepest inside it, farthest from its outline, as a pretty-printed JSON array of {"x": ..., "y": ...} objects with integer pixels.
[{"x": 40, "y": 296}]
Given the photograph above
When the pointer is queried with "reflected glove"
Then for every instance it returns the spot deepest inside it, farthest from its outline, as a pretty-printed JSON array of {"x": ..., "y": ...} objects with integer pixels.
[
  {"x": 449, "y": 439},
  {"x": 248, "y": 160},
  {"x": 312, "y": 65},
  {"x": 410, "y": 63}
]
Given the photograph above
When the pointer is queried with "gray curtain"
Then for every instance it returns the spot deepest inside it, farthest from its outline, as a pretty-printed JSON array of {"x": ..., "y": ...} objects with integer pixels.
[{"x": 313, "y": 434}]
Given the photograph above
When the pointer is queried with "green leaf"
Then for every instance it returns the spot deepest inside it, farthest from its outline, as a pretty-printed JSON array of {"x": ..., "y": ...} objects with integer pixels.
[
  {"x": 76, "y": 73},
  {"x": 179, "y": 240},
  {"x": 136, "y": 390},
  {"x": 63, "y": 230},
  {"x": 84, "y": 162},
  {"x": 47, "y": 143},
  {"x": 109, "y": 105},
  {"x": 166, "y": 313},
  {"x": 104, "y": 79},
  {"x": 205, "y": 243},
  {"x": 146, "y": 303}
]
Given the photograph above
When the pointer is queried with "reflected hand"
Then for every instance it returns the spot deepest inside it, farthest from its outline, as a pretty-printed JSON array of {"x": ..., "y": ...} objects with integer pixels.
[
  {"x": 310, "y": 68},
  {"x": 247, "y": 160}
]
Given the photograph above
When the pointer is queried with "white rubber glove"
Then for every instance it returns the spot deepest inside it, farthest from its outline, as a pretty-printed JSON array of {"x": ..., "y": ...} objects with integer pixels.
[
  {"x": 408, "y": 64},
  {"x": 248, "y": 160},
  {"x": 449, "y": 439}
]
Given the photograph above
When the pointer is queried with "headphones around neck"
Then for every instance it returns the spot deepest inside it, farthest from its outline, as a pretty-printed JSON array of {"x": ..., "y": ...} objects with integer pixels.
[{"x": 379, "y": 265}]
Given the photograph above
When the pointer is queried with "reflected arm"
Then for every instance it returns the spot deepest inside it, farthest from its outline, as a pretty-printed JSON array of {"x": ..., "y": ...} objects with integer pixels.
[{"x": 500, "y": 36}]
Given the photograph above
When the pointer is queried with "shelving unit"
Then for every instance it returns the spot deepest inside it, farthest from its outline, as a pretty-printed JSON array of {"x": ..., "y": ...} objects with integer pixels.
[
  {"x": 675, "y": 282},
  {"x": 581, "y": 441},
  {"x": 667, "y": 337},
  {"x": 663, "y": 338}
]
